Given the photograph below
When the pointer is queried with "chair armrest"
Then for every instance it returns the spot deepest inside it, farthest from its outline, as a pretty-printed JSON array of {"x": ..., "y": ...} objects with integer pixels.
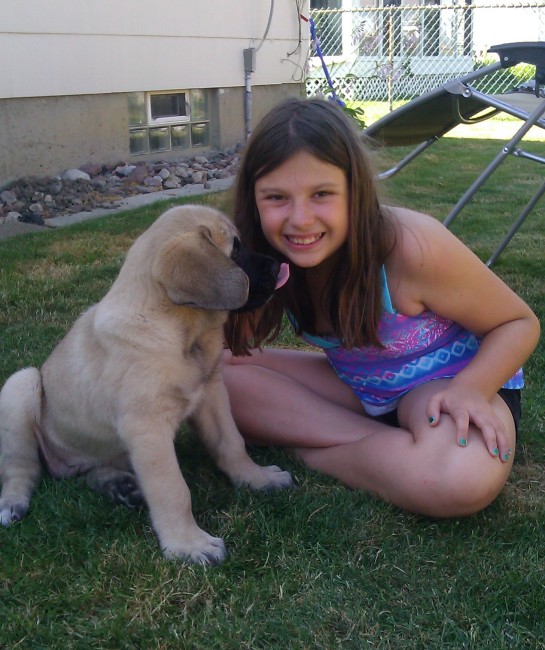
[
  {"x": 531, "y": 52},
  {"x": 510, "y": 54}
]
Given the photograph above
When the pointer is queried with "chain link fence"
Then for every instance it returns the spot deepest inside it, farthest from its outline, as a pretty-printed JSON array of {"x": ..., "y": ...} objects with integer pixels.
[{"x": 399, "y": 51}]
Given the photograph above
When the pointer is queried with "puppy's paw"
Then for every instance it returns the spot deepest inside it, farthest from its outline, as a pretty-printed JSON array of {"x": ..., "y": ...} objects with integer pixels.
[
  {"x": 124, "y": 489},
  {"x": 277, "y": 479},
  {"x": 12, "y": 509},
  {"x": 200, "y": 548},
  {"x": 266, "y": 478}
]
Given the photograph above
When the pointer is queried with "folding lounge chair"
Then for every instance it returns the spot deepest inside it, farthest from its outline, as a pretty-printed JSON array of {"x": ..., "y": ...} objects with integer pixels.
[{"x": 421, "y": 122}]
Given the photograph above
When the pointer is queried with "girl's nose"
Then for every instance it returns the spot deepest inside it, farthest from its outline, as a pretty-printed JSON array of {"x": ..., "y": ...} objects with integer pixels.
[{"x": 301, "y": 214}]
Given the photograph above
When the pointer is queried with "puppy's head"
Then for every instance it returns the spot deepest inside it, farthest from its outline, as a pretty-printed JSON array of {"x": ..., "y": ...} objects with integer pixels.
[{"x": 201, "y": 263}]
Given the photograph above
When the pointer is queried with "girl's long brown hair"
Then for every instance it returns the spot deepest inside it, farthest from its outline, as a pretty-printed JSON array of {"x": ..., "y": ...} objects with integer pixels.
[{"x": 353, "y": 297}]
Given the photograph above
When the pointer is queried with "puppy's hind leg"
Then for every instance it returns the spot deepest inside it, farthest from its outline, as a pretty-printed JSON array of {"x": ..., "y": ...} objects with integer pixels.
[
  {"x": 20, "y": 467},
  {"x": 118, "y": 485}
]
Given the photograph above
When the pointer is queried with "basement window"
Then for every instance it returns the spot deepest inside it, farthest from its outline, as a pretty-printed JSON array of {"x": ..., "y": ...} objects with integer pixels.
[
  {"x": 167, "y": 107},
  {"x": 168, "y": 120}
]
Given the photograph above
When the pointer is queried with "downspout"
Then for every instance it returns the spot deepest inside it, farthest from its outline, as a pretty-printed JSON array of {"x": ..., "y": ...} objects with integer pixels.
[{"x": 249, "y": 67}]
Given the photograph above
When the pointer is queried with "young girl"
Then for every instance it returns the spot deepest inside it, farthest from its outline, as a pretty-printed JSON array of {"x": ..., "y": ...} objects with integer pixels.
[{"x": 414, "y": 392}]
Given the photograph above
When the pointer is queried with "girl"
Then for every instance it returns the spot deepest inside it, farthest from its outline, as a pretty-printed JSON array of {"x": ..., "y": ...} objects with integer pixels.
[{"x": 414, "y": 394}]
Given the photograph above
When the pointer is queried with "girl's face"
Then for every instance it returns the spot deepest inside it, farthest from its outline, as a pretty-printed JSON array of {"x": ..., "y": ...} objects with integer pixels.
[{"x": 303, "y": 208}]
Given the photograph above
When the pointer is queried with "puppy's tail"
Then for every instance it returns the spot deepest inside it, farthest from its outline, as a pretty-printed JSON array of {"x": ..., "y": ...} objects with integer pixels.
[{"x": 20, "y": 467}]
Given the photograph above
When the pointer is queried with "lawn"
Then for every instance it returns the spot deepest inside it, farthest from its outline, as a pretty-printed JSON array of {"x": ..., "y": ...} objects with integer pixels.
[{"x": 320, "y": 567}]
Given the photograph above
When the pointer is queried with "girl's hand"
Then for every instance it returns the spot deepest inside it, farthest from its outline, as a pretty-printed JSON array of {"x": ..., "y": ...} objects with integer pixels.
[{"x": 464, "y": 407}]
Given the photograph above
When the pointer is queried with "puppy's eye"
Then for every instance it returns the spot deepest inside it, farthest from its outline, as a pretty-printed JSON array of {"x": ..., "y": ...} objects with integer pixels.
[{"x": 236, "y": 249}]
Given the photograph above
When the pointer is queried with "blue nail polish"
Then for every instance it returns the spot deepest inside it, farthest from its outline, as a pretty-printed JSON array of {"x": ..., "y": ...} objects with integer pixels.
[
  {"x": 463, "y": 442},
  {"x": 495, "y": 451},
  {"x": 505, "y": 456},
  {"x": 431, "y": 419}
]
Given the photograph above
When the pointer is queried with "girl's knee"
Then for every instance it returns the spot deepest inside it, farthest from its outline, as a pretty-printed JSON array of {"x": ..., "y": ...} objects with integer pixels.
[{"x": 449, "y": 492}]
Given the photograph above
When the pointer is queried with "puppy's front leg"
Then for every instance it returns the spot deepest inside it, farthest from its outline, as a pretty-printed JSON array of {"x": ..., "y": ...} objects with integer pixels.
[
  {"x": 167, "y": 495},
  {"x": 217, "y": 429}
]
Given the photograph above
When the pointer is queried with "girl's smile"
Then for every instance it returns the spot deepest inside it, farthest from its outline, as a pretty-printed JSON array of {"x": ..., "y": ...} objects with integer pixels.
[{"x": 303, "y": 208}]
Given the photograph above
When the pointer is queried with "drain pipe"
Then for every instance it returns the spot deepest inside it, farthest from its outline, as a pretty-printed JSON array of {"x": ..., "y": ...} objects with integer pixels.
[{"x": 249, "y": 67}]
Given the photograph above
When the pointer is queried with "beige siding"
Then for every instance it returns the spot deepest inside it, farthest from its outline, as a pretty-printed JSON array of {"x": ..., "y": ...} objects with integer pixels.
[{"x": 72, "y": 47}]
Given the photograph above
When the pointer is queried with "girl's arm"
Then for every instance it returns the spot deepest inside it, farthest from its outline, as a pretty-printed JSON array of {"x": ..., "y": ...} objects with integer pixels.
[{"x": 437, "y": 272}]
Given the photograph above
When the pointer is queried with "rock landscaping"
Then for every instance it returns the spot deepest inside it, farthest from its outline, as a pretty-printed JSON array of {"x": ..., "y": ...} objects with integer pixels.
[{"x": 34, "y": 199}]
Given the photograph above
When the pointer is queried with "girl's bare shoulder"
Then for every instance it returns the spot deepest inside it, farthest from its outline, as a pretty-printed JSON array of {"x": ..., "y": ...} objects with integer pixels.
[
  {"x": 424, "y": 256},
  {"x": 418, "y": 236}
]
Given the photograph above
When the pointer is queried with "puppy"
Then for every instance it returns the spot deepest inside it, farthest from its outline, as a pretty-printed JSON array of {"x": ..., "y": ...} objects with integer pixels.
[{"x": 108, "y": 401}]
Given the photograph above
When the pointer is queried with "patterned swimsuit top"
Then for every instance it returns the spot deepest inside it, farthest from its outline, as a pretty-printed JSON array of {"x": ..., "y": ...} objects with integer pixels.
[{"x": 416, "y": 349}]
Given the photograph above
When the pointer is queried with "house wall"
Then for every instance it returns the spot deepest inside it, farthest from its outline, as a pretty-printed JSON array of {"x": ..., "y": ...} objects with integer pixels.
[
  {"x": 41, "y": 136},
  {"x": 70, "y": 65}
]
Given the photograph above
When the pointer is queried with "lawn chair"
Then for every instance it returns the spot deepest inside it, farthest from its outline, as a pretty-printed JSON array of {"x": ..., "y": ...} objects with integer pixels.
[{"x": 421, "y": 122}]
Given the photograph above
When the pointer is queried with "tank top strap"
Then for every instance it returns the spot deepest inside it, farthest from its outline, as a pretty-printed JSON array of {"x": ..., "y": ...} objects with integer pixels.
[{"x": 386, "y": 298}]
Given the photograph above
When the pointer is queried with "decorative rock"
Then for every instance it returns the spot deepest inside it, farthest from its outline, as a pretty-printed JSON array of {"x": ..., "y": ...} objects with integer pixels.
[
  {"x": 125, "y": 170},
  {"x": 18, "y": 206},
  {"x": 99, "y": 182},
  {"x": 36, "y": 208},
  {"x": 138, "y": 174},
  {"x": 8, "y": 197},
  {"x": 75, "y": 175},
  {"x": 56, "y": 186},
  {"x": 92, "y": 169},
  {"x": 12, "y": 216},
  {"x": 96, "y": 186},
  {"x": 153, "y": 181},
  {"x": 31, "y": 217}
]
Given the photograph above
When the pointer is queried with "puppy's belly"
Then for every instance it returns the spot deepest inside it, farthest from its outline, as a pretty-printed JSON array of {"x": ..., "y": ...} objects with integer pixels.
[{"x": 61, "y": 462}]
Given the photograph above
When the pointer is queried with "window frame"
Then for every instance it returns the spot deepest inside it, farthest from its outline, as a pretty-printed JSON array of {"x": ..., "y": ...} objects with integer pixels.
[
  {"x": 193, "y": 122},
  {"x": 168, "y": 119}
]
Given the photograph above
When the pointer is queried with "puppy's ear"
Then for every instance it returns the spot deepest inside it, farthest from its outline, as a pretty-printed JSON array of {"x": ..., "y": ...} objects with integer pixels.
[{"x": 195, "y": 272}]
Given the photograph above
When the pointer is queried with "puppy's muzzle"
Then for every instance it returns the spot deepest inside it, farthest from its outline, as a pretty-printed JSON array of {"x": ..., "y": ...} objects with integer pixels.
[{"x": 263, "y": 275}]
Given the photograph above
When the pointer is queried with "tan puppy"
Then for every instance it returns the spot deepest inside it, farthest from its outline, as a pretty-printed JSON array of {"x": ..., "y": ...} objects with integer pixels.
[{"x": 108, "y": 401}]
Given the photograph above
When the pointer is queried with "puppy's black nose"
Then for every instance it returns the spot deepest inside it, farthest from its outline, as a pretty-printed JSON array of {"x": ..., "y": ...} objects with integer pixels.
[{"x": 262, "y": 272}]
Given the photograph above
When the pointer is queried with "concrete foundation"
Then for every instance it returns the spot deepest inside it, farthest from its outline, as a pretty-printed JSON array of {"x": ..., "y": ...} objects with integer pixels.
[{"x": 43, "y": 136}]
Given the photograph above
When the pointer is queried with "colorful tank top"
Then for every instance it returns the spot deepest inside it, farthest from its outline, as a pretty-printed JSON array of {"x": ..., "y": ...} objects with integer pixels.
[{"x": 416, "y": 349}]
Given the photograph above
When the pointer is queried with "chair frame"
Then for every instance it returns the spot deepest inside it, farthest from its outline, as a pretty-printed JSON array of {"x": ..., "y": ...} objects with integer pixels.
[{"x": 466, "y": 105}]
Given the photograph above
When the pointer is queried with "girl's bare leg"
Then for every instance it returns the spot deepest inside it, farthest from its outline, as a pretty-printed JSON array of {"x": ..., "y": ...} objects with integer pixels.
[
  {"x": 421, "y": 469},
  {"x": 294, "y": 399},
  {"x": 290, "y": 399}
]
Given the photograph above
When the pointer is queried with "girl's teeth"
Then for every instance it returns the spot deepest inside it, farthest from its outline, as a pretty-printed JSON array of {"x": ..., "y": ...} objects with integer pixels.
[{"x": 304, "y": 240}]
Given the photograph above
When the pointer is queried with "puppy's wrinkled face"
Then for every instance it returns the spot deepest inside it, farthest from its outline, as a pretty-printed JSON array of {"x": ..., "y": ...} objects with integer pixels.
[
  {"x": 202, "y": 263},
  {"x": 262, "y": 272}
]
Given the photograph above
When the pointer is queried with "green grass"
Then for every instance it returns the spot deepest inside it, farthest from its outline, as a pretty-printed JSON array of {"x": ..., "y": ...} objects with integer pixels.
[{"x": 318, "y": 567}]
